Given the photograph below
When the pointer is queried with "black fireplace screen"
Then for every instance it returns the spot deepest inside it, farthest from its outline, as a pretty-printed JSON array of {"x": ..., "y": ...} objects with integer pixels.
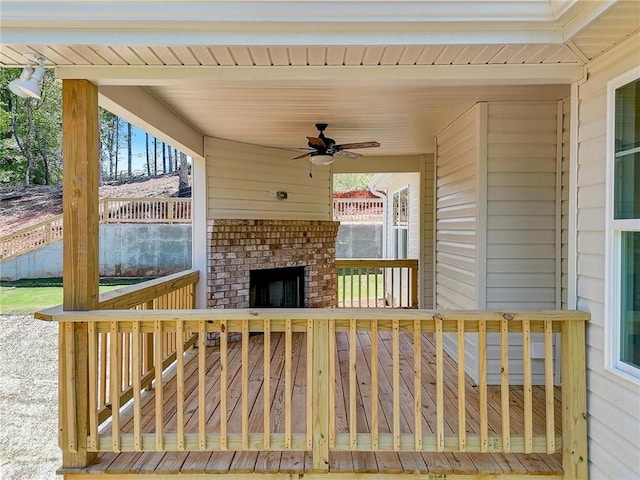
[{"x": 277, "y": 288}]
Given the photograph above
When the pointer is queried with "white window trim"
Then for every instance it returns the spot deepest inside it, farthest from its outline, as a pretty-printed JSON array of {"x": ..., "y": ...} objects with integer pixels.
[
  {"x": 394, "y": 228},
  {"x": 613, "y": 233}
]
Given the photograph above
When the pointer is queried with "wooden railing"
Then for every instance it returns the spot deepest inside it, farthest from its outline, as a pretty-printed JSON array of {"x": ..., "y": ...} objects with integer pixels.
[
  {"x": 31, "y": 238},
  {"x": 376, "y": 283},
  {"x": 145, "y": 210},
  {"x": 358, "y": 210},
  {"x": 405, "y": 404},
  {"x": 111, "y": 210},
  {"x": 123, "y": 362}
]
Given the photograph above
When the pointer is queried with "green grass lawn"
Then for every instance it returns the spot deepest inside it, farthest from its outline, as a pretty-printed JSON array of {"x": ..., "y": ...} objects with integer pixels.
[
  {"x": 359, "y": 282},
  {"x": 32, "y": 295}
]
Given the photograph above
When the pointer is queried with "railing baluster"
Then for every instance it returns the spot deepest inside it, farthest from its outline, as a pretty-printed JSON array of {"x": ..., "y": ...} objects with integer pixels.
[
  {"x": 482, "y": 381},
  {"x": 114, "y": 390},
  {"x": 417, "y": 382},
  {"x": 353, "y": 429},
  {"x": 69, "y": 400},
  {"x": 374, "y": 385},
  {"x": 126, "y": 357},
  {"x": 395, "y": 354},
  {"x": 439, "y": 385},
  {"x": 93, "y": 385},
  {"x": 180, "y": 384},
  {"x": 158, "y": 385},
  {"x": 267, "y": 384},
  {"x": 528, "y": 401},
  {"x": 223, "y": 385},
  {"x": 102, "y": 400},
  {"x": 462, "y": 404},
  {"x": 137, "y": 386},
  {"x": 287, "y": 384},
  {"x": 331, "y": 347},
  {"x": 202, "y": 385},
  {"x": 245, "y": 385},
  {"x": 549, "y": 387},
  {"x": 504, "y": 385},
  {"x": 310, "y": 392}
]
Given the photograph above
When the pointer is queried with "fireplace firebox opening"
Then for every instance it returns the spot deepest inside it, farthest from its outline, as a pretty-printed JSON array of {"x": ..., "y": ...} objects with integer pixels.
[{"x": 277, "y": 288}]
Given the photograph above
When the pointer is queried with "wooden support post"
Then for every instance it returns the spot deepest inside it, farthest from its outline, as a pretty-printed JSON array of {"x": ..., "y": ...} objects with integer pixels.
[
  {"x": 321, "y": 353},
  {"x": 574, "y": 401},
  {"x": 80, "y": 260}
]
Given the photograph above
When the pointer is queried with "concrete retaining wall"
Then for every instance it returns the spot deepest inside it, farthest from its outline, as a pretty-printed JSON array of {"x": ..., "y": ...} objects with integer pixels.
[
  {"x": 126, "y": 250},
  {"x": 359, "y": 240}
]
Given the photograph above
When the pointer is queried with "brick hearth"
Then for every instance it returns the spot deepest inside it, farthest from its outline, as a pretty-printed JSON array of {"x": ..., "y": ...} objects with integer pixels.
[{"x": 238, "y": 246}]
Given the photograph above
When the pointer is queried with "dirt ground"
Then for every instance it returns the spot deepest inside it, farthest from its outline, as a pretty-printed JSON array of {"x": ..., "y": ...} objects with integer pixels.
[
  {"x": 24, "y": 206},
  {"x": 28, "y": 399}
]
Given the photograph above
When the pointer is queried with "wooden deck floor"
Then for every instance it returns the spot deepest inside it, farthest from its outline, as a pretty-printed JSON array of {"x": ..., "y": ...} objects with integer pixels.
[{"x": 292, "y": 462}]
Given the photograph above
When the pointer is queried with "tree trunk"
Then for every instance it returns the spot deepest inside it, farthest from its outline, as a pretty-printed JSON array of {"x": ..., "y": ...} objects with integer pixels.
[
  {"x": 164, "y": 157},
  {"x": 170, "y": 159},
  {"x": 155, "y": 156},
  {"x": 146, "y": 142},
  {"x": 117, "y": 143},
  {"x": 129, "y": 160},
  {"x": 183, "y": 172}
]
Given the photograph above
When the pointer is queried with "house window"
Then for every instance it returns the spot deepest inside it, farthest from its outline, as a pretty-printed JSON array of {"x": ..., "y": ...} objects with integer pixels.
[
  {"x": 400, "y": 227},
  {"x": 623, "y": 232}
]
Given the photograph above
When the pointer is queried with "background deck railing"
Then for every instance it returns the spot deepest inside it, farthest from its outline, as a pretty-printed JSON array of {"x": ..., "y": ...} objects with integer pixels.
[
  {"x": 409, "y": 405},
  {"x": 111, "y": 210},
  {"x": 376, "y": 283},
  {"x": 358, "y": 210}
]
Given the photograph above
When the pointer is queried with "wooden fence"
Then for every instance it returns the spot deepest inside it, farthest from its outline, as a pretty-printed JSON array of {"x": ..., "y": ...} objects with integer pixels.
[
  {"x": 376, "y": 283},
  {"x": 358, "y": 210},
  {"x": 111, "y": 210},
  {"x": 397, "y": 417}
]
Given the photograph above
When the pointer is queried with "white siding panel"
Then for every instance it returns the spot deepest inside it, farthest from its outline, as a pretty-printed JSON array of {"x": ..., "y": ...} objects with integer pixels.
[
  {"x": 240, "y": 177},
  {"x": 521, "y": 219},
  {"x": 457, "y": 152},
  {"x": 614, "y": 406},
  {"x": 427, "y": 269}
]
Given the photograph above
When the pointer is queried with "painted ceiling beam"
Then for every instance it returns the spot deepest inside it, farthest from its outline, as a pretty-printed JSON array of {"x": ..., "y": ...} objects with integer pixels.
[
  {"x": 293, "y": 34},
  {"x": 139, "y": 107},
  {"x": 586, "y": 17},
  {"x": 166, "y": 13},
  {"x": 431, "y": 75}
]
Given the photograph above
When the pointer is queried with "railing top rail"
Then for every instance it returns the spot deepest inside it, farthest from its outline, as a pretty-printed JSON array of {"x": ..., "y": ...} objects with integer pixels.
[
  {"x": 145, "y": 199},
  {"x": 22, "y": 231},
  {"x": 371, "y": 262},
  {"x": 320, "y": 314},
  {"x": 358, "y": 200},
  {"x": 132, "y": 295}
]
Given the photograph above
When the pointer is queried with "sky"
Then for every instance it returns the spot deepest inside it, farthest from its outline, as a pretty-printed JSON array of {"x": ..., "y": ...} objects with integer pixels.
[{"x": 139, "y": 155}]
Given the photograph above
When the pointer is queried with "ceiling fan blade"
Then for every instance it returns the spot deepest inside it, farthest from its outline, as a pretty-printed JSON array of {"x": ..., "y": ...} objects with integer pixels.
[
  {"x": 308, "y": 154},
  {"x": 347, "y": 153},
  {"x": 316, "y": 142},
  {"x": 357, "y": 145}
]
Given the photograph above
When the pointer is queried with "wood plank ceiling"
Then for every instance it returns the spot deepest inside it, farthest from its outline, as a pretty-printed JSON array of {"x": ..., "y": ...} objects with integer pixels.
[{"x": 403, "y": 116}]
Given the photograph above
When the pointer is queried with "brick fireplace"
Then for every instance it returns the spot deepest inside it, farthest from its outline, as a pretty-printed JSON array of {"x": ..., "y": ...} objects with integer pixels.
[{"x": 236, "y": 247}]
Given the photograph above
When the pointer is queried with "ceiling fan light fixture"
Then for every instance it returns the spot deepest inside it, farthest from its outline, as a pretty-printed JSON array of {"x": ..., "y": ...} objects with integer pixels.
[{"x": 321, "y": 159}]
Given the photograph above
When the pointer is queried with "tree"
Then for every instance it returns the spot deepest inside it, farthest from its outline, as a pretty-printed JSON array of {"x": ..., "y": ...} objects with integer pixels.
[
  {"x": 183, "y": 172},
  {"x": 30, "y": 130},
  {"x": 129, "y": 159},
  {"x": 108, "y": 141},
  {"x": 146, "y": 142},
  {"x": 346, "y": 182}
]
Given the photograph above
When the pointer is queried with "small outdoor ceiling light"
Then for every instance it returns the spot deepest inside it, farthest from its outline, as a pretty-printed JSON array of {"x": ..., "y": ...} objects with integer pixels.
[
  {"x": 14, "y": 85},
  {"x": 28, "y": 84},
  {"x": 321, "y": 159}
]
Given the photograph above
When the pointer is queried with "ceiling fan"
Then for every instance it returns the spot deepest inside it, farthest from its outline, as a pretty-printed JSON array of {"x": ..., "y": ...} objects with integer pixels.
[{"x": 324, "y": 148}]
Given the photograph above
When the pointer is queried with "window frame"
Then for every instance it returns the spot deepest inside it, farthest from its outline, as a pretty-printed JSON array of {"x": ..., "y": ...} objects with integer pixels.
[
  {"x": 396, "y": 228},
  {"x": 614, "y": 229}
]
